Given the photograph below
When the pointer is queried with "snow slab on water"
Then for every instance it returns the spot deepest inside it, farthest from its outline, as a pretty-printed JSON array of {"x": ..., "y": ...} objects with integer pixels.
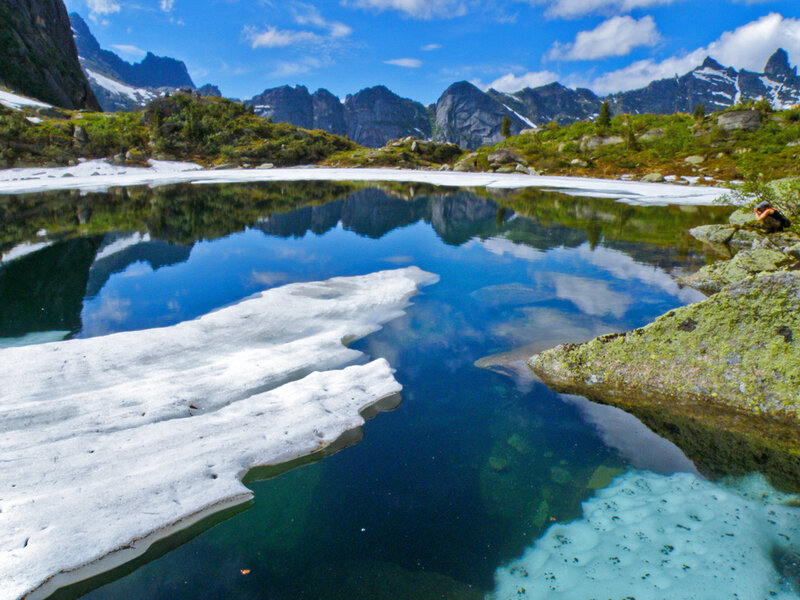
[
  {"x": 110, "y": 443},
  {"x": 652, "y": 537},
  {"x": 98, "y": 175}
]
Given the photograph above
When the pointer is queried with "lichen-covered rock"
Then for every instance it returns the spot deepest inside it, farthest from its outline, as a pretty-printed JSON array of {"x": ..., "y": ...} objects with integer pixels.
[
  {"x": 743, "y": 218},
  {"x": 712, "y": 234},
  {"x": 504, "y": 156},
  {"x": 712, "y": 278},
  {"x": 739, "y": 349},
  {"x": 746, "y": 120},
  {"x": 653, "y": 178}
]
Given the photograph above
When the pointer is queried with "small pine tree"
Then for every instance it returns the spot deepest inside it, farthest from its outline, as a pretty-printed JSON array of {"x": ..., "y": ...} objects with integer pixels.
[
  {"x": 699, "y": 112},
  {"x": 505, "y": 128},
  {"x": 604, "y": 118}
]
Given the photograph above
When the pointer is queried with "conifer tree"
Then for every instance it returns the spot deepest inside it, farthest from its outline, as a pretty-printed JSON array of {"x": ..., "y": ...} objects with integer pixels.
[
  {"x": 604, "y": 118},
  {"x": 505, "y": 128}
]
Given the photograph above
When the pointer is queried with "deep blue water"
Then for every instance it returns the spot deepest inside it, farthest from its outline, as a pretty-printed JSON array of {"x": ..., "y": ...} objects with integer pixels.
[{"x": 474, "y": 464}]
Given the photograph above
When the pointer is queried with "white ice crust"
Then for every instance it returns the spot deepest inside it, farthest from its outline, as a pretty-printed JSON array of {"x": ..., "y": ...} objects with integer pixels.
[
  {"x": 99, "y": 175},
  {"x": 109, "y": 443},
  {"x": 15, "y": 101},
  {"x": 652, "y": 537}
]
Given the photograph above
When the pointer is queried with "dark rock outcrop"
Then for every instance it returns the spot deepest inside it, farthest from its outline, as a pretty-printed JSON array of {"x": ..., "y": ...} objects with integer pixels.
[
  {"x": 328, "y": 112},
  {"x": 552, "y": 102},
  {"x": 209, "y": 91},
  {"x": 376, "y": 115},
  {"x": 470, "y": 118},
  {"x": 39, "y": 58},
  {"x": 285, "y": 104}
]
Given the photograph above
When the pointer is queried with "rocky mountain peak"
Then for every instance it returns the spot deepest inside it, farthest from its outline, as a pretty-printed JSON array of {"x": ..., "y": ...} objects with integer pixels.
[
  {"x": 778, "y": 66},
  {"x": 710, "y": 63}
]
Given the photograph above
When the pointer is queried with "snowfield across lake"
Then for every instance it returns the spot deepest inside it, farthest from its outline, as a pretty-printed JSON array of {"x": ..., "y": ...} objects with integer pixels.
[
  {"x": 113, "y": 442},
  {"x": 98, "y": 175}
]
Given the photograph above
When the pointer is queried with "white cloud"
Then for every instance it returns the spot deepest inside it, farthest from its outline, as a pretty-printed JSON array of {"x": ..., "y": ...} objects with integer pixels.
[
  {"x": 420, "y": 9},
  {"x": 272, "y": 37},
  {"x": 747, "y": 47},
  {"x": 430, "y": 47},
  {"x": 128, "y": 49},
  {"x": 98, "y": 8},
  {"x": 514, "y": 83},
  {"x": 409, "y": 63},
  {"x": 286, "y": 69},
  {"x": 570, "y": 9},
  {"x": 617, "y": 36},
  {"x": 306, "y": 14},
  {"x": 167, "y": 5}
]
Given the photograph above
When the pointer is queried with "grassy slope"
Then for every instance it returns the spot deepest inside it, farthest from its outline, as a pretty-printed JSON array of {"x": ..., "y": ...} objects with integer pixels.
[
  {"x": 182, "y": 126},
  {"x": 214, "y": 131},
  {"x": 728, "y": 156}
]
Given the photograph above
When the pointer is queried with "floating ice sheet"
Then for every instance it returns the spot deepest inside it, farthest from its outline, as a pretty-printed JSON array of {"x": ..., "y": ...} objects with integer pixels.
[
  {"x": 99, "y": 175},
  {"x": 109, "y": 443},
  {"x": 652, "y": 537}
]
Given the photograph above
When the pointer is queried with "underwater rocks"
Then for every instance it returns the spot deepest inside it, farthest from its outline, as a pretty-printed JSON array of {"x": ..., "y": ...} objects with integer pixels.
[{"x": 648, "y": 536}]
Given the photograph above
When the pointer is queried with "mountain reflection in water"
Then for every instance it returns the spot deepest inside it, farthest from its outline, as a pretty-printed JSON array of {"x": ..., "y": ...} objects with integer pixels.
[{"x": 474, "y": 466}]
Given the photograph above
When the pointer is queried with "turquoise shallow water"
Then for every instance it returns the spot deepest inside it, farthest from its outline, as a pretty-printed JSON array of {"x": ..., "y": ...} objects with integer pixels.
[{"x": 476, "y": 463}]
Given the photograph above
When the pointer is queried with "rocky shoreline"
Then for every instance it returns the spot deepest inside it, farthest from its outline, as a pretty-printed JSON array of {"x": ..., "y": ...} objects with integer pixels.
[{"x": 724, "y": 371}]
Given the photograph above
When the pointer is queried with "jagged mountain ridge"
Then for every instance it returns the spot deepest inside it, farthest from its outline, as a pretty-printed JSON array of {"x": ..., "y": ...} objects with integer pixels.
[
  {"x": 39, "y": 58},
  {"x": 470, "y": 117},
  {"x": 464, "y": 114},
  {"x": 122, "y": 86}
]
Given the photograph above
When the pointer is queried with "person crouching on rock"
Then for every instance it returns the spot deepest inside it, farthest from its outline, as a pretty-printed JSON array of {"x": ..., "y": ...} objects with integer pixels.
[{"x": 770, "y": 219}]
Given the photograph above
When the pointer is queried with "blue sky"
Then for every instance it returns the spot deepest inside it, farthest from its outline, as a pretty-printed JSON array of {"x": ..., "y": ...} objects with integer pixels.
[{"x": 419, "y": 47}]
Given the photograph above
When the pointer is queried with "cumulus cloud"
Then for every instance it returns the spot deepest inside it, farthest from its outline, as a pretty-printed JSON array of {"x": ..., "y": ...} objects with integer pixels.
[
  {"x": 513, "y": 83},
  {"x": 617, "y": 36},
  {"x": 571, "y": 9},
  {"x": 747, "y": 47},
  {"x": 419, "y": 9},
  {"x": 272, "y": 37},
  {"x": 408, "y": 63}
]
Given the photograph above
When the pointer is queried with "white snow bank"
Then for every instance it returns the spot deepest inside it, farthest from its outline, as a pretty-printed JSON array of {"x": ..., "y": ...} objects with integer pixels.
[
  {"x": 15, "y": 101},
  {"x": 117, "y": 87},
  {"x": 109, "y": 443},
  {"x": 21, "y": 250},
  {"x": 99, "y": 175},
  {"x": 651, "y": 537}
]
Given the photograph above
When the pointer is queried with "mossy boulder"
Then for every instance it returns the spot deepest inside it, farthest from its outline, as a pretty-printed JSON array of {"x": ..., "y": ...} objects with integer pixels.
[
  {"x": 712, "y": 278},
  {"x": 739, "y": 349},
  {"x": 713, "y": 234}
]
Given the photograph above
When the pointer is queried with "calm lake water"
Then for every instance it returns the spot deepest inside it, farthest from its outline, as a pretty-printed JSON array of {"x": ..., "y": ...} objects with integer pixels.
[{"x": 475, "y": 464}]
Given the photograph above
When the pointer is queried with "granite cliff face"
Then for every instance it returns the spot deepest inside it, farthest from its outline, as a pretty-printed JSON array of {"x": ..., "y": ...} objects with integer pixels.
[
  {"x": 39, "y": 58},
  {"x": 285, "y": 104},
  {"x": 328, "y": 112},
  {"x": 552, "y": 102},
  {"x": 468, "y": 117},
  {"x": 376, "y": 115}
]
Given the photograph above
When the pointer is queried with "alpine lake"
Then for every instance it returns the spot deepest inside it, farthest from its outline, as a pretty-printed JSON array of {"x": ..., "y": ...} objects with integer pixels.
[{"x": 478, "y": 460}]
